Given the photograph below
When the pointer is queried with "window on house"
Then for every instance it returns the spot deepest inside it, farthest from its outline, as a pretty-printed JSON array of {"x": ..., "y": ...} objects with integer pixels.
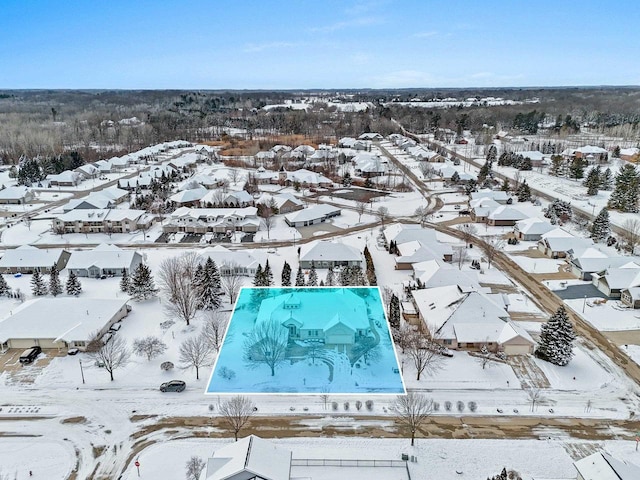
[{"x": 448, "y": 341}]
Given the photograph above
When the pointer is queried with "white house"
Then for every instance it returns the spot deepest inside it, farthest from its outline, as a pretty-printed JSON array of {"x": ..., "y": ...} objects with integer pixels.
[
  {"x": 531, "y": 229},
  {"x": 189, "y": 197},
  {"x": 28, "y": 259},
  {"x": 16, "y": 195},
  {"x": 505, "y": 215},
  {"x": 326, "y": 254},
  {"x": 231, "y": 262},
  {"x": 312, "y": 215},
  {"x": 218, "y": 220},
  {"x": 497, "y": 196},
  {"x": 248, "y": 458},
  {"x": 67, "y": 178},
  {"x": 60, "y": 322},
  {"x": 469, "y": 320},
  {"x": 336, "y": 318},
  {"x": 104, "y": 259}
]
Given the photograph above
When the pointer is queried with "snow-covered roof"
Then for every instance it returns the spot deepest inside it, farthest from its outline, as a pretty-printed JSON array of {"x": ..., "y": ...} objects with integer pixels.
[
  {"x": 533, "y": 226},
  {"x": 598, "y": 264},
  {"x": 506, "y": 212},
  {"x": 630, "y": 152},
  {"x": 329, "y": 251},
  {"x": 311, "y": 213},
  {"x": 317, "y": 309},
  {"x": 189, "y": 196},
  {"x": 15, "y": 193},
  {"x": 409, "y": 232},
  {"x": 497, "y": 195},
  {"x": 199, "y": 179},
  {"x": 557, "y": 233},
  {"x": 225, "y": 257},
  {"x": 103, "y": 256},
  {"x": 282, "y": 198},
  {"x": 67, "y": 176},
  {"x": 443, "y": 275},
  {"x": 304, "y": 149},
  {"x": 62, "y": 319},
  {"x": 98, "y": 214},
  {"x": 602, "y": 466},
  {"x": 306, "y": 176},
  {"x": 368, "y": 163},
  {"x": 532, "y": 155},
  {"x": 28, "y": 256},
  {"x": 590, "y": 149},
  {"x": 249, "y": 457},
  {"x": 417, "y": 251}
]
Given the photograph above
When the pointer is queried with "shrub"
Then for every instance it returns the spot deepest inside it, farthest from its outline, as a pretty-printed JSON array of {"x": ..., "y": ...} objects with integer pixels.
[
  {"x": 227, "y": 373},
  {"x": 436, "y": 406},
  {"x": 211, "y": 407},
  {"x": 346, "y": 405},
  {"x": 369, "y": 404},
  {"x": 334, "y": 405},
  {"x": 460, "y": 406},
  {"x": 473, "y": 406},
  {"x": 447, "y": 406},
  {"x": 358, "y": 405}
]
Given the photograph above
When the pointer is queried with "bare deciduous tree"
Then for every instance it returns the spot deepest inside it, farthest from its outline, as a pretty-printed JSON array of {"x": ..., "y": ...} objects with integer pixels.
[
  {"x": 383, "y": 214},
  {"x": 423, "y": 214},
  {"x": 234, "y": 175},
  {"x": 412, "y": 411},
  {"x": 460, "y": 255},
  {"x": 269, "y": 220},
  {"x": 491, "y": 247},
  {"x": 184, "y": 303},
  {"x": 194, "y": 467},
  {"x": 424, "y": 353},
  {"x": 266, "y": 345},
  {"x": 535, "y": 396},
  {"x": 231, "y": 282},
  {"x": 174, "y": 269},
  {"x": 631, "y": 235},
  {"x": 113, "y": 355},
  {"x": 361, "y": 207},
  {"x": 403, "y": 335},
  {"x": 468, "y": 231},
  {"x": 195, "y": 352},
  {"x": 214, "y": 328},
  {"x": 236, "y": 412},
  {"x": 386, "y": 293},
  {"x": 428, "y": 172},
  {"x": 150, "y": 347}
]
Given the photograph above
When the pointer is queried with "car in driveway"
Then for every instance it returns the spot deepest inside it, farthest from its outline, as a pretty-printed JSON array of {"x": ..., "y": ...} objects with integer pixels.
[
  {"x": 30, "y": 354},
  {"x": 173, "y": 386}
]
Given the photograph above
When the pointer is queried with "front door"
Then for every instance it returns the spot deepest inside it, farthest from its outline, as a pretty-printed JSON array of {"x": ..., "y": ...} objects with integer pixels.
[{"x": 292, "y": 331}]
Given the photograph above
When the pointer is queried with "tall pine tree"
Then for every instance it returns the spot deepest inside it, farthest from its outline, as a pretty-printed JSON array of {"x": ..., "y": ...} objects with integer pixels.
[
  {"x": 125, "y": 282},
  {"x": 55, "y": 287},
  {"x": 38, "y": 286},
  {"x": 286, "y": 274},
  {"x": 601, "y": 228},
  {"x": 313, "y": 276},
  {"x": 268, "y": 275},
  {"x": 394, "y": 312},
  {"x": 331, "y": 278},
  {"x": 4, "y": 287},
  {"x": 592, "y": 182},
  {"x": 142, "y": 284},
  {"x": 625, "y": 195},
  {"x": 606, "y": 180},
  {"x": 300, "y": 277},
  {"x": 73, "y": 285},
  {"x": 523, "y": 192},
  {"x": 556, "y": 339}
]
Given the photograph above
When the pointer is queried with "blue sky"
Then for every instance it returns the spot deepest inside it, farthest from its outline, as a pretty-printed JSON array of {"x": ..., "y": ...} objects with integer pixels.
[{"x": 238, "y": 44}]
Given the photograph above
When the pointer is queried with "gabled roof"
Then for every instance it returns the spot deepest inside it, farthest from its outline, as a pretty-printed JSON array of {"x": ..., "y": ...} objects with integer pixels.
[
  {"x": 602, "y": 466},
  {"x": 497, "y": 195},
  {"x": 534, "y": 226},
  {"x": 66, "y": 177},
  {"x": 15, "y": 193},
  {"x": 28, "y": 256},
  {"x": 311, "y": 213},
  {"x": 598, "y": 264},
  {"x": 97, "y": 215},
  {"x": 103, "y": 256},
  {"x": 506, "y": 212},
  {"x": 329, "y": 251},
  {"x": 188, "y": 196},
  {"x": 252, "y": 457},
  {"x": 408, "y": 232},
  {"x": 225, "y": 257}
]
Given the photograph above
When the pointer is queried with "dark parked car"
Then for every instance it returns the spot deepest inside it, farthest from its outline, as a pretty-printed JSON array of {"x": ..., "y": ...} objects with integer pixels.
[
  {"x": 173, "y": 386},
  {"x": 73, "y": 351},
  {"x": 30, "y": 354}
]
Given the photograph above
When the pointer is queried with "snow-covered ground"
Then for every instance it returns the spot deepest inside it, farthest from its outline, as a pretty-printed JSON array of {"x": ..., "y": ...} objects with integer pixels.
[{"x": 609, "y": 316}]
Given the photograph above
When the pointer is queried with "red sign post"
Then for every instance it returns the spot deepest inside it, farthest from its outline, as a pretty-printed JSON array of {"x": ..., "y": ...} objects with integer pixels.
[{"x": 137, "y": 464}]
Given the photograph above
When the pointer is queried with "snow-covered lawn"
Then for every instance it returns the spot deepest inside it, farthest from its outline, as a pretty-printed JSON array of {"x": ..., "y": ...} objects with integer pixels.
[
  {"x": 45, "y": 458},
  {"x": 520, "y": 302},
  {"x": 612, "y": 315},
  {"x": 582, "y": 373},
  {"x": 538, "y": 265},
  {"x": 436, "y": 459}
]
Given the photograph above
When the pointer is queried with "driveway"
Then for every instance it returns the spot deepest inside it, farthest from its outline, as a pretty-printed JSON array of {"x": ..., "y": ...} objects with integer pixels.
[{"x": 579, "y": 291}]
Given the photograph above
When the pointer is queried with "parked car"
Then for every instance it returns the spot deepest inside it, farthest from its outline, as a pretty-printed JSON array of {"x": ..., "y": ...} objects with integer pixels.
[
  {"x": 30, "y": 354},
  {"x": 173, "y": 386},
  {"x": 115, "y": 327},
  {"x": 73, "y": 351},
  {"x": 106, "y": 338}
]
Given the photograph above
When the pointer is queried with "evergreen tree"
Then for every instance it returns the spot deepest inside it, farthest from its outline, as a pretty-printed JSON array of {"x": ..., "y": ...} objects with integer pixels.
[
  {"x": 258, "y": 279},
  {"x": 346, "y": 179},
  {"x": 394, "y": 312},
  {"x": 557, "y": 168},
  {"x": 313, "y": 276},
  {"x": 625, "y": 195},
  {"x": 485, "y": 172},
  {"x": 368, "y": 183},
  {"x": 55, "y": 287},
  {"x": 492, "y": 153},
  {"x": 606, "y": 180},
  {"x": 455, "y": 178},
  {"x": 506, "y": 186},
  {"x": 601, "y": 228},
  {"x": 207, "y": 283},
  {"x": 268, "y": 275},
  {"x": 371, "y": 269},
  {"x": 4, "y": 287},
  {"x": 73, "y": 285},
  {"x": 331, "y": 278},
  {"x": 560, "y": 210},
  {"x": 576, "y": 170},
  {"x": 286, "y": 274},
  {"x": 38, "y": 287},
  {"x": 556, "y": 339},
  {"x": 214, "y": 274},
  {"x": 592, "y": 182},
  {"x": 125, "y": 282},
  {"x": 300, "y": 277},
  {"x": 523, "y": 192},
  {"x": 142, "y": 284}
]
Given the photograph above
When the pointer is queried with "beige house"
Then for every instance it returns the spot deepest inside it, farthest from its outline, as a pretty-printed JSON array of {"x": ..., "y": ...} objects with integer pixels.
[
  {"x": 102, "y": 220},
  {"x": 60, "y": 323},
  {"x": 29, "y": 259}
]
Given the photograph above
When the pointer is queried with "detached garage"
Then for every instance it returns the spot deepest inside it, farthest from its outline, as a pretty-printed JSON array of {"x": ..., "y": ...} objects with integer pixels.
[{"x": 60, "y": 322}]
